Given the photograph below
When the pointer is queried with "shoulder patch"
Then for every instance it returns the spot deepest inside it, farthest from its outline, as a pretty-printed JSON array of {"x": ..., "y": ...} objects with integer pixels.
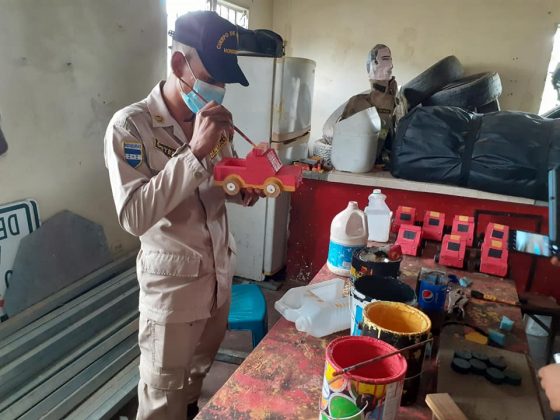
[{"x": 133, "y": 154}]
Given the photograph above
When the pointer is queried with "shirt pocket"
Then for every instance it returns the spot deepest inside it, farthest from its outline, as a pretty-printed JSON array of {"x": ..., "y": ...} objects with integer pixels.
[{"x": 168, "y": 264}]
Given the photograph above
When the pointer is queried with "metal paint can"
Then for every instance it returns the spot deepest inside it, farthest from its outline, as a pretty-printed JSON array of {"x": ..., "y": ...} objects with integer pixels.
[
  {"x": 365, "y": 262},
  {"x": 400, "y": 325},
  {"x": 369, "y": 289},
  {"x": 369, "y": 392}
]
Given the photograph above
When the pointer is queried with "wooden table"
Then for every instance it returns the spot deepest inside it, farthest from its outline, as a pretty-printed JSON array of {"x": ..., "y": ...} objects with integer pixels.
[{"x": 282, "y": 377}]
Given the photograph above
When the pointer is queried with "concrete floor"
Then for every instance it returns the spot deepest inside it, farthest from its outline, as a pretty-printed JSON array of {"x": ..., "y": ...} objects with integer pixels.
[{"x": 241, "y": 341}]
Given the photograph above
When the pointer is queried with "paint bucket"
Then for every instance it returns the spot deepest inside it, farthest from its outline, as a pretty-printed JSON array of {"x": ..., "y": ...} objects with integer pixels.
[
  {"x": 370, "y": 289},
  {"x": 365, "y": 262},
  {"x": 370, "y": 392},
  {"x": 400, "y": 325}
]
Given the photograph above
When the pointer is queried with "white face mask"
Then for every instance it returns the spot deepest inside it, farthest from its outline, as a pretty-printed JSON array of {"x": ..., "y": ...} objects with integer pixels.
[{"x": 382, "y": 67}]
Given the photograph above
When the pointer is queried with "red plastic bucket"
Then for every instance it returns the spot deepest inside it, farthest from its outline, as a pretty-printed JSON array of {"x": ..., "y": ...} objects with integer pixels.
[{"x": 370, "y": 392}]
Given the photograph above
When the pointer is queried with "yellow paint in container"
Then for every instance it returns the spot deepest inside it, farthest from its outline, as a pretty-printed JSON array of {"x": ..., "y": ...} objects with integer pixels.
[{"x": 400, "y": 325}]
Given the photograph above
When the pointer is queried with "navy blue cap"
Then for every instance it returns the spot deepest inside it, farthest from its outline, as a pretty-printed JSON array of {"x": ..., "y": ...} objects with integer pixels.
[{"x": 216, "y": 42}]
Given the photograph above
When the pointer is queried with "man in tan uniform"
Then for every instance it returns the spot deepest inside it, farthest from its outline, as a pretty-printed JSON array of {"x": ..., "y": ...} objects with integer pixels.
[{"x": 160, "y": 153}]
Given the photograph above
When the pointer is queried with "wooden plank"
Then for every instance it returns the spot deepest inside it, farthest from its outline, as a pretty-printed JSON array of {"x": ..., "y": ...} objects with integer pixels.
[
  {"x": 22, "y": 369},
  {"x": 41, "y": 385},
  {"x": 65, "y": 318},
  {"x": 111, "y": 397},
  {"x": 20, "y": 320},
  {"x": 444, "y": 408},
  {"x": 478, "y": 398},
  {"x": 64, "y": 399}
]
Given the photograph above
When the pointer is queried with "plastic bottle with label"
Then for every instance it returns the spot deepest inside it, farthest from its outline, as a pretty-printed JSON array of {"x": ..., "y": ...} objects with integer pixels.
[
  {"x": 378, "y": 217},
  {"x": 349, "y": 232}
]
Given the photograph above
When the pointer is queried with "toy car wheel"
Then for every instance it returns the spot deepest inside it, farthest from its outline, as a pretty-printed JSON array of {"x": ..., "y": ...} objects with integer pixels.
[
  {"x": 232, "y": 186},
  {"x": 272, "y": 189}
]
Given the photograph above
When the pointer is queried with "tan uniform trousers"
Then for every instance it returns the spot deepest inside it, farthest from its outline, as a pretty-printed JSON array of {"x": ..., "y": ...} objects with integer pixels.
[{"x": 174, "y": 360}]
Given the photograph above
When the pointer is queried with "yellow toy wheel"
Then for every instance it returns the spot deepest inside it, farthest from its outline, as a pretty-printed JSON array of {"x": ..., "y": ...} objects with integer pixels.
[
  {"x": 232, "y": 185},
  {"x": 272, "y": 188}
]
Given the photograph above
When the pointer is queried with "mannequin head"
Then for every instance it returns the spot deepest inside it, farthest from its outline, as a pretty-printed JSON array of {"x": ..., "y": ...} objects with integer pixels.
[{"x": 380, "y": 63}]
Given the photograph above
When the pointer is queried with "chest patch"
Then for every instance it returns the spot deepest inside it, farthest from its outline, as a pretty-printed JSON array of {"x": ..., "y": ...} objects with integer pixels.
[
  {"x": 133, "y": 154},
  {"x": 167, "y": 150}
]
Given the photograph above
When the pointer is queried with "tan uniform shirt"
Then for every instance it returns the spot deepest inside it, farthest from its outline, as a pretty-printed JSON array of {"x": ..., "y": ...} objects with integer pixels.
[
  {"x": 164, "y": 195},
  {"x": 384, "y": 102}
]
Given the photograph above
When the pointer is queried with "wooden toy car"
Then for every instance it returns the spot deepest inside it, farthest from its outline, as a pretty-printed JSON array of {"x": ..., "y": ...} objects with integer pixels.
[
  {"x": 494, "y": 257},
  {"x": 494, "y": 250},
  {"x": 434, "y": 222},
  {"x": 497, "y": 232},
  {"x": 404, "y": 216},
  {"x": 453, "y": 250},
  {"x": 464, "y": 226},
  {"x": 409, "y": 239},
  {"x": 261, "y": 169}
]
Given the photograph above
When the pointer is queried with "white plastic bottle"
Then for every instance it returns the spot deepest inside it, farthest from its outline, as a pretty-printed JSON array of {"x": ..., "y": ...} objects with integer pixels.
[
  {"x": 349, "y": 232},
  {"x": 317, "y": 309},
  {"x": 379, "y": 217}
]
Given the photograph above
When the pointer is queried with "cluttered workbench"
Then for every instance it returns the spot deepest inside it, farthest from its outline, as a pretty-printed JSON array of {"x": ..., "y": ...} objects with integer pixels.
[{"x": 283, "y": 376}]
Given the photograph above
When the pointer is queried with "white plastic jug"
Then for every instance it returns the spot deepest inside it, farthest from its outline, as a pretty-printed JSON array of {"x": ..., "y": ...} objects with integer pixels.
[
  {"x": 355, "y": 143},
  {"x": 378, "y": 217},
  {"x": 349, "y": 232},
  {"x": 319, "y": 309}
]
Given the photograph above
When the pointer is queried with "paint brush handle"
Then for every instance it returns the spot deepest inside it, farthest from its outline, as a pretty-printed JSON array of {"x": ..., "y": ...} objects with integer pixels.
[
  {"x": 241, "y": 133},
  {"x": 491, "y": 298},
  {"x": 378, "y": 358}
]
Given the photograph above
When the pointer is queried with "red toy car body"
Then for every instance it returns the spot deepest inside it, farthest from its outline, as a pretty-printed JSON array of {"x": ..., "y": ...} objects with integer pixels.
[
  {"x": 494, "y": 250},
  {"x": 464, "y": 226},
  {"x": 404, "y": 216},
  {"x": 453, "y": 249},
  {"x": 494, "y": 257},
  {"x": 409, "y": 238},
  {"x": 433, "y": 225},
  {"x": 261, "y": 169},
  {"x": 497, "y": 232}
]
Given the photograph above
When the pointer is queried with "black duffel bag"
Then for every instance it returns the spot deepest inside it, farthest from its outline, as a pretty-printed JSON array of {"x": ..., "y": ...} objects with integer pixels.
[
  {"x": 503, "y": 152},
  {"x": 260, "y": 42}
]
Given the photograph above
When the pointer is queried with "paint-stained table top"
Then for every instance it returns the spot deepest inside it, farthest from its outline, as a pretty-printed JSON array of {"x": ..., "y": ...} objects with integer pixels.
[{"x": 282, "y": 377}]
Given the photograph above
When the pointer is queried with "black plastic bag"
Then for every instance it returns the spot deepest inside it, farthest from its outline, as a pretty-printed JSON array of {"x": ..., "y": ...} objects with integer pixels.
[{"x": 503, "y": 152}]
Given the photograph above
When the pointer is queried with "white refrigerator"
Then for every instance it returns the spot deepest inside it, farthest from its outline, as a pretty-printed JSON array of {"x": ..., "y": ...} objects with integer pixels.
[{"x": 274, "y": 108}]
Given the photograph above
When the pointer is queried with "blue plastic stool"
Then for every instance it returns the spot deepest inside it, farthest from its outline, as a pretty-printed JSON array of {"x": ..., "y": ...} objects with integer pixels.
[{"x": 248, "y": 311}]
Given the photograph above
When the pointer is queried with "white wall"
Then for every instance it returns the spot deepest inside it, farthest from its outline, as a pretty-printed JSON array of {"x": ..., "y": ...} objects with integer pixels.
[
  {"x": 513, "y": 37},
  {"x": 260, "y": 12},
  {"x": 65, "y": 67}
]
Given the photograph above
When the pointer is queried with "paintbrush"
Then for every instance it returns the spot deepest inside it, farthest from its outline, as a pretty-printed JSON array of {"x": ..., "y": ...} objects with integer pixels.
[
  {"x": 241, "y": 133},
  {"x": 377, "y": 359},
  {"x": 491, "y": 298}
]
